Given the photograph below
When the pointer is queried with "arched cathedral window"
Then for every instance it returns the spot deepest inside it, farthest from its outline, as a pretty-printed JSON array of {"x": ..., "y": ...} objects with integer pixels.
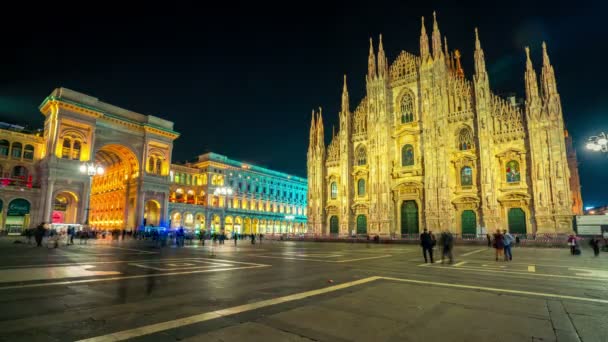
[
  {"x": 407, "y": 108},
  {"x": 466, "y": 176},
  {"x": 334, "y": 190},
  {"x": 465, "y": 139},
  {"x": 361, "y": 187},
  {"x": 361, "y": 156},
  {"x": 407, "y": 155}
]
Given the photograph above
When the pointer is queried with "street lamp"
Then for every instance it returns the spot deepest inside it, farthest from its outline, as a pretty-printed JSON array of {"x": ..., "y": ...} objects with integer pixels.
[
  {"x": 90, "y": 169},
  {"x": 598, "y": 143}
]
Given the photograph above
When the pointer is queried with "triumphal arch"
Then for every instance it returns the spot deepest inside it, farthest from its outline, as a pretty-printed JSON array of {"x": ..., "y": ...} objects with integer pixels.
[{"x": 133, "y": 151}]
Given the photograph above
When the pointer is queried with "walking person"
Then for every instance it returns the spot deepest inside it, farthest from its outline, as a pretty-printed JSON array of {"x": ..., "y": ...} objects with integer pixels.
[
  {"x": 426, "y": 242},
  {"x": 489, "y": 239},
  {"x": 508, "y": 242},
  {"x": 235, "y": 237},
  {"x": 595, "y": 244},
  {"x": 39, "y": 234},
  {"x": 447, "y": 243},
  {"x": 572, "y": 244},
  {"x": 499, "y": 244}
]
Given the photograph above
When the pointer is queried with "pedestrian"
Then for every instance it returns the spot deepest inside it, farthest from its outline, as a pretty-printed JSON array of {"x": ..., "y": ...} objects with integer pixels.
[
  {"x": 235, "y": 237},
  {"x": 508, "y": 242},
  {"x": 489, "y": 239},
  {"x": 572, "y": 244},
  {"x": 595, "y": 244},
  {"x": 499, "y": 244},
  {"x": 39, "y": 234},
  {"x": 426, "y": 242},
  {"x": 447, "y": 243},
  {"x": 28, "y": 234},
  {"x": 261, "y": 237},
  {"x": 253, "y": 239}
]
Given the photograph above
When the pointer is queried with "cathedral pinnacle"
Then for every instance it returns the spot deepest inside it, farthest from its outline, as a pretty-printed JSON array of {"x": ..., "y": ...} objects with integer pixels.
[
  {"x": 459, "y": 71},
  {"x": 424, "y": 42},
  {"x": 546, "y": 60},
  {"x": 345, "y": 100},
  {"x": 371, "y": 60},
  {"x": 531, "y": 83},
  {"x": 382, "y": 62},
  {"x": 549, "y": 84},
  {"x": 437, "y": 53},
  {"x": 480, "y": 61},
  {"x": 312, "y": 138}
]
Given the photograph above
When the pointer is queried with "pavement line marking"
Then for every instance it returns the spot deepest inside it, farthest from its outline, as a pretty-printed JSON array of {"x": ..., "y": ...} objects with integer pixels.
[
  {"x": 123, "y": 261},
  {"x": 494, "y": 289},
  {"x": 478, "y": 269},
  {"x": 532, "y": 268},
  {"x": 84, "y": 281},
  {"x": 460, "y": 263},
  {"x": 475, "y": 251},
  {"x": 154, "y": 328},
  {"x": 319, "y": 260},
  {"x": 132, "y": 249}
]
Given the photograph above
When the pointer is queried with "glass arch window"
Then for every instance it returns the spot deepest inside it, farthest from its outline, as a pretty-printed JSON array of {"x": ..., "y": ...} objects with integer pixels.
[
  {"x": 466, "y": 176},
  {"x": 65, "y": 148},
  {"x": 406, "y": 108},
  {"x": 361, "y": 156},
  {"x": 4, "y": 146},
  {"x": 76, "y": 150},
  {"x": 361, "y": 187},
  {"x": 334, "y": 190},
  {"x": 512, "y": 172},
  {"x": 16, "y": 150},
  {"x": 407, "y": 155},
  {"x": 465, "y": 139},
  {"x": 28, "y": 152}
]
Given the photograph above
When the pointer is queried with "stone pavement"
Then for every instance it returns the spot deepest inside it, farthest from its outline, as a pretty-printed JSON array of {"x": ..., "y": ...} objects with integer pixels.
[{"x": 288, "y": 291}]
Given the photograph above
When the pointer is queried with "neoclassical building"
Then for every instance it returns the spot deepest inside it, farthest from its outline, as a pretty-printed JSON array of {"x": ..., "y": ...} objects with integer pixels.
[
  {"x": 427, "y": 147},
  {"x": 216, "y": 193},
  {"x": 41, "y": 180}
]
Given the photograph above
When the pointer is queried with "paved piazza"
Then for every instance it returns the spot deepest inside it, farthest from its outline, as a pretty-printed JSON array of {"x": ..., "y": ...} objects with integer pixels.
[{"x": 297, "y": 291}]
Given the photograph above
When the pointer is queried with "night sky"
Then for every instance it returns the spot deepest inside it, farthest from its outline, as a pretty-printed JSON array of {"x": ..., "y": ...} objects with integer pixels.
[{"x": 241, "y": 79}]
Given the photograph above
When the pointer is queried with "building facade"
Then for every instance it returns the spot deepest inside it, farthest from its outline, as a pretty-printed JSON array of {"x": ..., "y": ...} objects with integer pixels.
[
  {"x": 216, "y": 193},
  {"x": 41, "y": 180},
  {"x": 427, "y": 147}
]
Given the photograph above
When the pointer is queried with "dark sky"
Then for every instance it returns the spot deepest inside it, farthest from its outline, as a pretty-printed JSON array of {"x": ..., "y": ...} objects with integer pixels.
[{"x": 241, "y": 79}]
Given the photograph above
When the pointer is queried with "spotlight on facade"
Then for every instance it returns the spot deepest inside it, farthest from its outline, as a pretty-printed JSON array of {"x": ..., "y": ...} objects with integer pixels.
[{"x": 598, "y": 143}]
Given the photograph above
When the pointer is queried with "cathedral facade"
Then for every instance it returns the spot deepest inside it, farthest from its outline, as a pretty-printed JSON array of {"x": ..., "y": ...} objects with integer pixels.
[{"x": 428, "y": 148}]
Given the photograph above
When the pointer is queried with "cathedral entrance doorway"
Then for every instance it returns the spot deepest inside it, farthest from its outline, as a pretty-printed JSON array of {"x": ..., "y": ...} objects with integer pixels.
[
  {"x": 517, "y": 221},
  {"x": 333, "y": 225},
  {"x": 468, "y": 222},
  {"x": 409, "y": 217},
  {"x": 152, "y": 213},
  {"x": 361, "y": 224}
]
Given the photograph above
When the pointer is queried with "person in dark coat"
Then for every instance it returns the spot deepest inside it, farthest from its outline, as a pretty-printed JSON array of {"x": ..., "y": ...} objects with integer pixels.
[
  {"x": 447, "y": 244},
  {"x": 595, "y": 244},
  {"x": 39, "y": 234},
  {"x": 426, "y": 242},
  {"x": 499, "y": 244}
]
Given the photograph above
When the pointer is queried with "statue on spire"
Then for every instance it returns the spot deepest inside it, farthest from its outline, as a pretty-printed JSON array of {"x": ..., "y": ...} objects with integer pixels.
[
  {"x": 547, "y": 76},
  {"x": 437, "y": 51},
  {"x": 424, "y": 42},
  {"x": 371, "y": 60},
  {"x": 480, "y": 61},
  {"x": 531, "y": 83},
  {"x": 345, "y": 100},
  {"x": 382, "y": 62}
]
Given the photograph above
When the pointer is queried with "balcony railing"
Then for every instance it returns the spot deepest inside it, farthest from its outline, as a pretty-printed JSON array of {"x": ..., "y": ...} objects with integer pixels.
[{"x": 23, "y": 182}]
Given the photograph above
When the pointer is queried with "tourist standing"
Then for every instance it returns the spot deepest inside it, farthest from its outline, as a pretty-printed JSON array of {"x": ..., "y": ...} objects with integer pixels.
[
  {"x": 447, "y": 243},
  {"x": 508, "y": 242},
  {"x": 426, "y": 242},
  {"x": 39, "y": 234},
  {"x": 572, "y": 244},
  {"x": 595, "y": 244}
]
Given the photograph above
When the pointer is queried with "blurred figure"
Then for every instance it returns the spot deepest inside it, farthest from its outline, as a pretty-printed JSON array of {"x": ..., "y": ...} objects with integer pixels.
[
  {"x": 426, "y": 242},
  {"x": 39, "y": 234},
  {"x": 489, "y": 239},
  {"x": 499, "y": 244},
  {"x": 508, "y": 242},
  {"x": 572, "y": 244},
  {"x": 447, "y": 243},
  {"x": 595, "y": 244}
]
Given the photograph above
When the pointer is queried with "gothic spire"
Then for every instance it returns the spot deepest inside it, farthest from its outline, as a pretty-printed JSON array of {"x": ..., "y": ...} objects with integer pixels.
[
  {"x": 547, "y": 76},
  {"x": 320, "y": 131},
  {"x": 480, "y": 61},
  {"x": 371, "y": 60},
  {"x": 382, "y": 62},
  {"x": 458, "y": 67},
  {"x": 345, "y": 101},
  {"x": 446, "y": 52},
  {"x": 530, "y": 77},
  {"x": 437, "y": 53},
  {"x": 312, "y": 131},
  {"x": 424, "y": 42}
]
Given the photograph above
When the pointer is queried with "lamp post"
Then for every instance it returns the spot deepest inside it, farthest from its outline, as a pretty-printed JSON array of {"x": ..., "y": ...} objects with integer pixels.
[
  {"x": 598, "y": 143},
  {"x": 90, "y": 169}
]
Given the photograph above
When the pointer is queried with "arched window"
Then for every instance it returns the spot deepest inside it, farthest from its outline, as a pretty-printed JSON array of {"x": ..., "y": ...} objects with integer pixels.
[
  {"x": 361, "y": 187},
  {"x": 334, "y": 190},
  {"x": 361, "y": 156},
  {"x": 76, "y": 150},
  {"x": 465, "y": 139},
  {"x": 4, "y": 146},
  {"x": 407, "y": 155},
  {"x": 28, "y": 152},
  {"x": 19, "y": 172},
  {"x": 466, "y": 176},
  {"x": 16, "y": 150},
  {"x": 65, "y": 148},
  {"x": 407, "y": 108},
  {"x": 151, "y": 165},
  {"x": 159, "y": 167},
  {"x": 512, "y": 172}
]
